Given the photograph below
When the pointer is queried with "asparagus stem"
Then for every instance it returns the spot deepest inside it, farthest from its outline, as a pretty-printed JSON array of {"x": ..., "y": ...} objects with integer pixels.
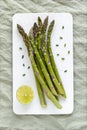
[
  {"x": 34, "y": 66},
  {"x": 52, "y": 74},
  {"x": 46, "y": 57},
  {"x": 44, "y": 28},
  {"x": 40, "y": 93},
  {"x": 44, "y": 70},
  {"x": 50, "y": 28},
  {"x": 37, "y": 41},
  {"x": 47, "y": 90},
  {"x": 42, "y": 36},
  {"x": 39, "y": 87},
  {"x": 39, "y": 32}
]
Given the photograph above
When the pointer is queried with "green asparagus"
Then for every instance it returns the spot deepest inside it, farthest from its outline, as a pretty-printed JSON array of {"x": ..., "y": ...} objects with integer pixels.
[
  {"x": 47, "y": 60},
  {"x": 42, "y": 32},
  {"x": 48, "y": 92},
  {"x": 50, "y": 28},
  {"x": 39, "y": 87},
  {"x": 27, "y": 42},
  {"x": 43, "y": 68},
  {"x": 40, "y": 93},
  {"x": 42, "y": 37},
  {"x": 36, "y": 34}
]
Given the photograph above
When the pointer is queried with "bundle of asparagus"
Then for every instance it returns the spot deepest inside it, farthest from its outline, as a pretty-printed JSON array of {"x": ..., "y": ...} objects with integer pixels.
[{"x": 38, "y": 44}]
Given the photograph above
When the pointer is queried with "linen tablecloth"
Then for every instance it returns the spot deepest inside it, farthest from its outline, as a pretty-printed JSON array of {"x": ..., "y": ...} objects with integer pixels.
[{"x": 78, "y": 119}]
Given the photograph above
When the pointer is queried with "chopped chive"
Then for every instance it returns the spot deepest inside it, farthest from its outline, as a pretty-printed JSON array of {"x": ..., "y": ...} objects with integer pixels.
[
  {"x": 22, "y": 56},
  {"x": 68, "y": 52},
  {"x": 61, "y": 37},
  {"x": 62, "y": 58},
  {"x": 57, "y": 54},
  {"x": 64, "y": 45},
  {"x": 20, "y": 48},
  {"x": 57, "y": 45},
  {"x": 23, "y": 75},
  {"x": 28, "y": 67},
  {"x": 62, "y": 27},
  {"x": 23, "y": 64},
  {"x": 65, "y": 71}
]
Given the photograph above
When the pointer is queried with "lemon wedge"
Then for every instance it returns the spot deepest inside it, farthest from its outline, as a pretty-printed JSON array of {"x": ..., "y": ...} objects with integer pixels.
[{"x": 25, "y": 94}]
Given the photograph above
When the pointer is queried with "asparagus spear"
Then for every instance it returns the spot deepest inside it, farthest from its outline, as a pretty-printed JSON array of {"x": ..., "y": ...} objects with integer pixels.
[
  {"x": 36, "y": 71},
  {"x": 35, "y": 36},
  {"x": 39, "y": 87},
  {"x": 40, "y": 93},
  {"x": 44, "y": 70},
  {"x": 47, "y": 60},
  {"x": 37, "y": 40},
  {"x": 50, "y": 28},
  {"x": 42, "y": 36},
  {"x": 44, "y": 28},
  {"x": 52, "y": 74},
  {"x": 48, "y": 92},
  {"x": 39, "y": 32},
  {"x": 39, "y": 26}
]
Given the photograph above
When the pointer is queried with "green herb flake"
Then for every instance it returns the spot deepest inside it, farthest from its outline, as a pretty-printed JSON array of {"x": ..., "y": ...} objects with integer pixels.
[
  {"x": 22, "y": 56},
  {"x": 23, "y": 64},
  {"x": 61, "y": 37},
  {"x": 28, "y": 67},
  {"x": 62, "y": 27},
  {"x": 62, "y": 58},
  {"x": 65, "y": 45},
  {"x": 57, "y": 54},
  {"x": 57, "y": 45},
  {"x": 20, "y": 48},
  {"x": 65, "y": 71},
  {"x": 24, "y": 75},
  {"x": 68, "y": 52}
]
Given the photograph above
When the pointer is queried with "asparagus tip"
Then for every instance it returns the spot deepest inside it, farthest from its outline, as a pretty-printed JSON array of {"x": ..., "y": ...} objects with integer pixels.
[
  {"x": 35, "y": 29},
  {"x": 39, "y": 18},
  {"x": 53, "y": 21},
  {"x": 46, "y": 20},
  {"x": 18, "y": 25}
]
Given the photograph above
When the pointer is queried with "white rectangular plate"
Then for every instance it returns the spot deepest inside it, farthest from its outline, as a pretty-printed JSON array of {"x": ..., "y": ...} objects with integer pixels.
[{"x": 26, "y": 21}]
